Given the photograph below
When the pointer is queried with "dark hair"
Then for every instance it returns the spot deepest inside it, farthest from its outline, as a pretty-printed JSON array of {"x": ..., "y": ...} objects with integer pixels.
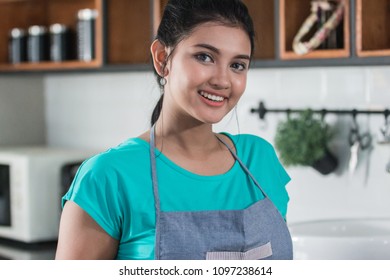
[{"x": 180, "y": 18}]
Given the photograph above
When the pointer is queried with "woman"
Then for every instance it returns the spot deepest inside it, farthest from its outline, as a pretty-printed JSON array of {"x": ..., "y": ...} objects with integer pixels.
[{"x": 180, "y": 191}]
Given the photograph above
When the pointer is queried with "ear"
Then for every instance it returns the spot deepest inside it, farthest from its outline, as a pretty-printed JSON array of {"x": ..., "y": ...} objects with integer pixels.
[{"x": 159, "y": 56}]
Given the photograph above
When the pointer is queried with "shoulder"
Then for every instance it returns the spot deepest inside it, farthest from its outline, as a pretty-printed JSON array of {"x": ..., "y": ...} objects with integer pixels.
[
  {"x": 257, "y": 153},
  {"x": 248, "y": 143},
  {"x": 125, "y": 155},
  {"x": 106, "y": 173}
]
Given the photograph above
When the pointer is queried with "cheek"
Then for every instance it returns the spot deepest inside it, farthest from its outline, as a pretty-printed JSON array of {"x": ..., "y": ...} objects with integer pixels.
[
  {"x": 183, "y": 73},
  {"x": 191, "y": 76},
  {"x": 240, "y": 85}
]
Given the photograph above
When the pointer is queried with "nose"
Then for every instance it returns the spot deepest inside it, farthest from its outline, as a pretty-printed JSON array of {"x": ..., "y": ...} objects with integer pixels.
[{"x": 220, "y": 78}]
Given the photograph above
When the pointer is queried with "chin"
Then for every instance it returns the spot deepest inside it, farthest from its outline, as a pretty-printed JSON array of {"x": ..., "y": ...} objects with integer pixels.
[
  {"x": 210, "y": 117},
  {"x": 212, "y": 120}
]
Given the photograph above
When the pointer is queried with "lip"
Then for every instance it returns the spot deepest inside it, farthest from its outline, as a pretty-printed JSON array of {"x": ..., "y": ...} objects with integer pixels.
[{"x": 211, "y": 102}]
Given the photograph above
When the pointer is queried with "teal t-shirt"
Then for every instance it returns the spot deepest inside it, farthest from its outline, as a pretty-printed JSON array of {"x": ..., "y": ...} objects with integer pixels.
[{"x": 115, "y": 189}]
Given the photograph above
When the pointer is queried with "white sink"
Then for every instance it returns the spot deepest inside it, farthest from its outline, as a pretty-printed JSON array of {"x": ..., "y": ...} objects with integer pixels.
[{"x": 349, "y": 239}]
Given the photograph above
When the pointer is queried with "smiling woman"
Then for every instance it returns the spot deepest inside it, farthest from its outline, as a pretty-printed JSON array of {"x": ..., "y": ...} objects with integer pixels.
[{"x": 179, "y": 190}]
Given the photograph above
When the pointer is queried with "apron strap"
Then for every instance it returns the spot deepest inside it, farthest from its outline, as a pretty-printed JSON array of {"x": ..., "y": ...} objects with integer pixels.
[
  {"x": 154, "y": 169},
  {"x": 155, "y": 192},
  {"x": 243, "y": 166}
]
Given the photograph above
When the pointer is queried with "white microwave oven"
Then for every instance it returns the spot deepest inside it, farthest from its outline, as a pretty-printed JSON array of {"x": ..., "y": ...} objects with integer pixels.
[{"x": 31, "y": 191}]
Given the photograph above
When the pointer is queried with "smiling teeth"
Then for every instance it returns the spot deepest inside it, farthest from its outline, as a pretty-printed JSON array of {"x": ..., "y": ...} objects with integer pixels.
[{"x": 211, "y": 97}]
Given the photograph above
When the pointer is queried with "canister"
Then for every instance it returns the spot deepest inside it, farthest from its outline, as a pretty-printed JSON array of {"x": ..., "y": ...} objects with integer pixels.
[
  {"x": 60, "y": 45},
  {"x": 86, "y": 34},
  {"x": 37, "y": 44},
  {"x": 17, "y": 46}
]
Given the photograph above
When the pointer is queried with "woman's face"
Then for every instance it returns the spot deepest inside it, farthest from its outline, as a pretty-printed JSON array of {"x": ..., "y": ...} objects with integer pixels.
[{"x": 206, "y": 75}]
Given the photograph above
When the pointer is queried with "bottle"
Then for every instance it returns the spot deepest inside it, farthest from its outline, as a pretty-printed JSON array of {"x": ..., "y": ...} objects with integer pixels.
[
  {"x": 17, "y": 46},
  {"x": 86, "y": 34}
]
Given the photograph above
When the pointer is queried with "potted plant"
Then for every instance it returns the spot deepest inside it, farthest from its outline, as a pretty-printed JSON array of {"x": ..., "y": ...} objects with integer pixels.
[{"x": 302, "y": 140}]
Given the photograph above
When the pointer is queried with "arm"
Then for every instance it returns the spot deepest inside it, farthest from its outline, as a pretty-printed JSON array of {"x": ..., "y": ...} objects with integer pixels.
[{"x": 80, "y": 237}]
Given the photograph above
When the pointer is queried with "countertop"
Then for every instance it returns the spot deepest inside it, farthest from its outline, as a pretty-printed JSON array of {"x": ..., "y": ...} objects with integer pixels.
[{"x": 14, "y": 250}]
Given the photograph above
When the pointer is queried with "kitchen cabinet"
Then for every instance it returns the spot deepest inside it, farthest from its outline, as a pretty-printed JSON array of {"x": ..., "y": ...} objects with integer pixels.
[
  {"x": 125, "y": 29},
  {"x": 122, "y": 30}
]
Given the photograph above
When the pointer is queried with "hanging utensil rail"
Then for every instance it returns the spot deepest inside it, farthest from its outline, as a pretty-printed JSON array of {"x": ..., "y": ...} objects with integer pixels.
[{"x": 262, "y": 111}]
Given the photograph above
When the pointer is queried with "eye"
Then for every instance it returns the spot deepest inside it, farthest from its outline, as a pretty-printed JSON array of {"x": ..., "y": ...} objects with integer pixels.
[
  {"x": 204, "y": 57},
  {"x": 238, "y": 66}
]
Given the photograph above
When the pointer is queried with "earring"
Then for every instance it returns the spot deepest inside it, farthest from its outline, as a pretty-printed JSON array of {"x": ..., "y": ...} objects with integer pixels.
[{"x": 163, "y": 81}]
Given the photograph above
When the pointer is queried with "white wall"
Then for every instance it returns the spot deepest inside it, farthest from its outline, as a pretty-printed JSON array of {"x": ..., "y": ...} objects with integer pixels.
[
  {"x": 22, "y": 111},
  {"x": 97, "y": 110},
  {"x": 102, "y": 110}
]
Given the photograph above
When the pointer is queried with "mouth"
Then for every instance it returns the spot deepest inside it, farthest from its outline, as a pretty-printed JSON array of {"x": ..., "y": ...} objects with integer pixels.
[{"x": 211, "y": 97}]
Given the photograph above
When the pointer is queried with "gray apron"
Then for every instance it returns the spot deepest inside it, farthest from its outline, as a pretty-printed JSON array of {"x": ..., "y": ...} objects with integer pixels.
[{"x": 257, "y": 232}]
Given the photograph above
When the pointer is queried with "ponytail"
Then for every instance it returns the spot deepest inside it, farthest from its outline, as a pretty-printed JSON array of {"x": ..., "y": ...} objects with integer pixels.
[{"x": 157, "y": 110}]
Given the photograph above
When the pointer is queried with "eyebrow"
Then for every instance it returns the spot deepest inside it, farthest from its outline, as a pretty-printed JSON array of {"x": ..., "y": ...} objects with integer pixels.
[{"x": 217, "y": 51}]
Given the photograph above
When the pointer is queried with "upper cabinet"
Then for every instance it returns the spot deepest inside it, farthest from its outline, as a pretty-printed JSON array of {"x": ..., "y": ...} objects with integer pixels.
[
  {"x": 296, "y": 26},
  {"x": 372, "y": 25},
  {"x": 122, "y": 31}
]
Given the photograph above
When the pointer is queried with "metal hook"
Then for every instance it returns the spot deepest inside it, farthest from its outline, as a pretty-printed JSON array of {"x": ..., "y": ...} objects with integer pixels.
[
  {"x": 288, "y": 112},
  {"x": 323, "y": 113},
  {"x": 354, "y": 121},
  {"x": 386, "y": 113},
  {"x": 384, "y": 136},
  {"x": 387, "y": 120}
]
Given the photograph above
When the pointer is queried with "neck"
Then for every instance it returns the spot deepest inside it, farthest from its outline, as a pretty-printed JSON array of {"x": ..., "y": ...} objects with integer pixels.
[{"x": 193, "y": 137}]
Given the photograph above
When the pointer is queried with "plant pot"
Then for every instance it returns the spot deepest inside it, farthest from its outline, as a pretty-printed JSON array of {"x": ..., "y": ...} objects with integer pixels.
[{"x": 327, "y": 164}]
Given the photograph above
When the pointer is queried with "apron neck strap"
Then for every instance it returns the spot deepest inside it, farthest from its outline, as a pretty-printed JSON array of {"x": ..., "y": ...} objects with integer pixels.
[
  {"x": 243, "y": 166},
  {"x": 154, "y": 169}
]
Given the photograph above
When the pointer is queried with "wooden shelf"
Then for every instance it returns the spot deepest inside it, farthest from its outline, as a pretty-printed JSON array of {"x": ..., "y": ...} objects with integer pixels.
[
  {"x": 372, "y": 28},
  {"x": 292, "y": 13},
  {"x": 41, "y": 66},
  {"x": 23, "y": 14}
]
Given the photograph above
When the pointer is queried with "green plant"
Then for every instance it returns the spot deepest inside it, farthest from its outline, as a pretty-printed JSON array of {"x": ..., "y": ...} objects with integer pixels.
[{"x": 302, "y": 140}]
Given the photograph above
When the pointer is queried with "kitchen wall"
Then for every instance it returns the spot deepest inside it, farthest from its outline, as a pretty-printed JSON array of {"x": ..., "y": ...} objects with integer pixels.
[
  {"x": 101, "y": 110},
  {"x": 22, "y": 111}
]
